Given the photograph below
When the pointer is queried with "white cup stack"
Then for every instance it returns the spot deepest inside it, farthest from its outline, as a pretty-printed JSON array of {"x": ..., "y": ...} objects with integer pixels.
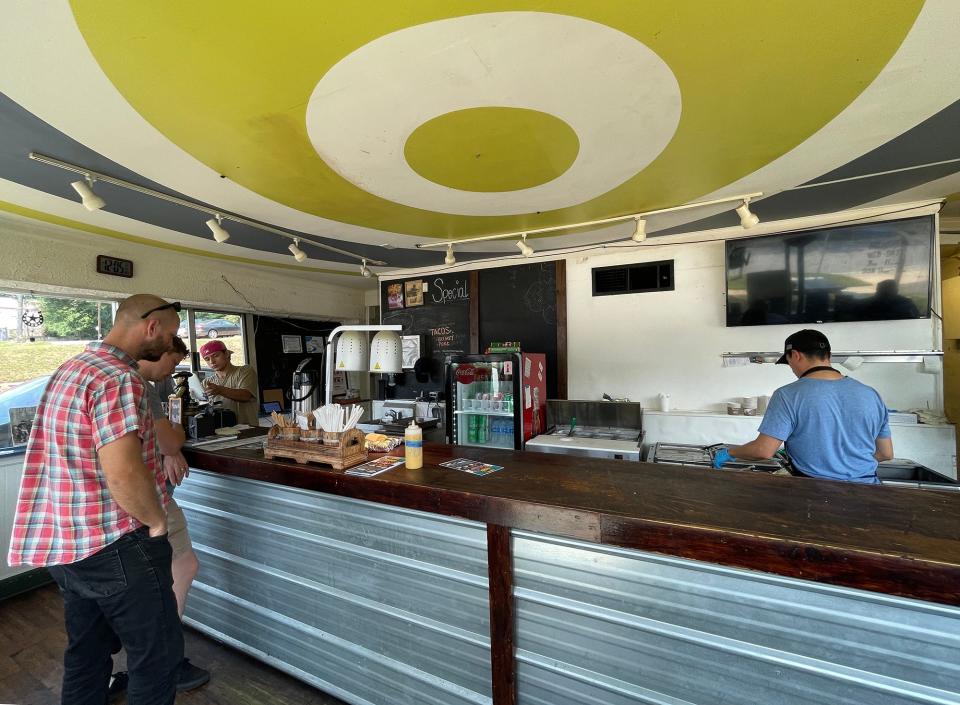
[{"x": 749, "y": 405}]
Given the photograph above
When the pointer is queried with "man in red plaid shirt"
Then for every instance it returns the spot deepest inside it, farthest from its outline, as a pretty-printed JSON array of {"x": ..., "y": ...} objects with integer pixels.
[{"x": 91, "y": 509}]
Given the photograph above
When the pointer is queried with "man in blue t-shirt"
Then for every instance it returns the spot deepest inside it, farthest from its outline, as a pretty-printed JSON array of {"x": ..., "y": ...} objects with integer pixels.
[{"x": 833, "y": 427}]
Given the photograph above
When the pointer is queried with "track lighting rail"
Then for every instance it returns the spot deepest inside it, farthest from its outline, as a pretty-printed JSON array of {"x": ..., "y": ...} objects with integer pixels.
[
  {"x": 747, "y": 220},
  {"x": 219, "y": 215}
]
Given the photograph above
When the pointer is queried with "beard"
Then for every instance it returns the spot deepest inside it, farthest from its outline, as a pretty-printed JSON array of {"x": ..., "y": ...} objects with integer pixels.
[{"x": 153, "y": 350}]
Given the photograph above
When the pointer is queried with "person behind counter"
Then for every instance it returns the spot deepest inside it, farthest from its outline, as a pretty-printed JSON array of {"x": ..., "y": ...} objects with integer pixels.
[
  {"x": 833, "y": 427},
  {"x": 235, "y": 387}
]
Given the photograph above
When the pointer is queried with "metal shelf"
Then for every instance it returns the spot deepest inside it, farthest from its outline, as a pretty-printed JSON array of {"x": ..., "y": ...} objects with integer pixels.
[
  {"x": 483, "y": 412},
  {"x": 840, "y": 355}
]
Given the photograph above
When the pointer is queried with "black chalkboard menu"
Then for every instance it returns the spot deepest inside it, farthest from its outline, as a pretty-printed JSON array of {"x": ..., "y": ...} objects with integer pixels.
[
  {"x": 437, "y": 308},
  {"x": 520, "y": 304}
]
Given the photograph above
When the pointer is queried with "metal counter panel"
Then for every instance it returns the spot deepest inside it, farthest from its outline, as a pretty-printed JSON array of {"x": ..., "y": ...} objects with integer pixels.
[
  {"x": 374, "y": 604},
  {"x": 606, "y": 626}
]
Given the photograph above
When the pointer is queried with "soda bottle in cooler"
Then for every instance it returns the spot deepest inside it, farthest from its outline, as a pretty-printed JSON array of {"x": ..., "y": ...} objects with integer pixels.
[{"x": 471, "y": 422}]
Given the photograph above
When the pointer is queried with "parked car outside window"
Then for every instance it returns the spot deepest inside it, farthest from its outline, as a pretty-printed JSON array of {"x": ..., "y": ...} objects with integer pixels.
[{"x": 212, "y": 328}]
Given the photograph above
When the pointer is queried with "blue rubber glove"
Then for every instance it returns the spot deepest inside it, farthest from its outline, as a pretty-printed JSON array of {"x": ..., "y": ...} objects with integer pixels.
[{"x": 722, "y": 456}]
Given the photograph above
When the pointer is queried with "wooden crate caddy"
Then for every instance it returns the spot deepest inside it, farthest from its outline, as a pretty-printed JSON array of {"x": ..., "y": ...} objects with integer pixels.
[{"x": 350, "y": 452}]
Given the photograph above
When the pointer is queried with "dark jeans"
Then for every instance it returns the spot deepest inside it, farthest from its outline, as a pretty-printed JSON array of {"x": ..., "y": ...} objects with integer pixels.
[{"x": 121, "y": 595}]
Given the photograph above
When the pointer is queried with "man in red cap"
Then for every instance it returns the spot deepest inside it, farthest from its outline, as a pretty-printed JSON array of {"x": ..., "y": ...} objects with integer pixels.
[{"x": 235, "y": 387}]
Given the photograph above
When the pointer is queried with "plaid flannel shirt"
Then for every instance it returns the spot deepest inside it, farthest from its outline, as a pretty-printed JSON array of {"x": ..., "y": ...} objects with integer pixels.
[{"x": 65, "y": 511}]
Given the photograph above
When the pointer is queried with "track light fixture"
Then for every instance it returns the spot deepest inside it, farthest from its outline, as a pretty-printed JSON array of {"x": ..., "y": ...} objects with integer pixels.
[
  {"x": 364, "y": 270},
  {"x": 216, "y": 227},
  {"x": 525, "y": 249},
  {"x": 90, "y": 200},
  {"x": 747, "y": 219},
  {"x": 93, "y": 202},
  {"x": 294, "y": 248}
]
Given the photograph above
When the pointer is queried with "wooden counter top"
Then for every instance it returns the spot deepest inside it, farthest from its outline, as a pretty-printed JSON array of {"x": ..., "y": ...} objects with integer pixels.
[{"x": 892, "y": 540}]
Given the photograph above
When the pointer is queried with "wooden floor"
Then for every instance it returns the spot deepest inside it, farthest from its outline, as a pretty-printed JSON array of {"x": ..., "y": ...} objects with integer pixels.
[{"x": 32, "y": 640}]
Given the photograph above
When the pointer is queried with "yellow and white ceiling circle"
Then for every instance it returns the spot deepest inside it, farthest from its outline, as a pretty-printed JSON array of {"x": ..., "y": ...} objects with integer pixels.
[
  {"x": 182, "y": 92},
  {"x": 231, "y": 85},
  {"x": 581, "y": 84}
]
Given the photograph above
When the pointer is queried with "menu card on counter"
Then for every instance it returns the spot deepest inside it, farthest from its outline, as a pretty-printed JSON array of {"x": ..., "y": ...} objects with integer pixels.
[
  {"x": 375, "y": 467},
  {"x": 474, "y": 467}
]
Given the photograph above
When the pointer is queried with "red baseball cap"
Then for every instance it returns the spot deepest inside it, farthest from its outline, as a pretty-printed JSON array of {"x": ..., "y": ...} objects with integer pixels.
[{"x": 212, "y": 347}]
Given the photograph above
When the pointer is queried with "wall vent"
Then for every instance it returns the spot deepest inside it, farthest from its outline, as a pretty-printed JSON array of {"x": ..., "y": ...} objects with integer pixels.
[{"x": 633, "y": 278}]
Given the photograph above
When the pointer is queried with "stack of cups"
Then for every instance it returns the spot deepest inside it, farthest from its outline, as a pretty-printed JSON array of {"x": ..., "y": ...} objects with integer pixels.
[
  {"x": 762, "y": 404},
  {"x": 749, "y": 406},
  {"x": 734, "y": 408}
]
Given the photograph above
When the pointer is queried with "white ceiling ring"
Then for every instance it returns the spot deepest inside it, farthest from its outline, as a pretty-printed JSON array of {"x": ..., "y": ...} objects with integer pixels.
[
  {"x": 84, "y": 104},
  {"x": 364, "y": 109}
]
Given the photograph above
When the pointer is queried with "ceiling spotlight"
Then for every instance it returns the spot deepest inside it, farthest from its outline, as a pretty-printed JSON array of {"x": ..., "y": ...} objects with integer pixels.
[
  {"x": 216, "y": 227},
  {"x": 90, "y": 200},
  {"x": 525, "y": 249},
  {"x": 449, "y": 259},
  {"x": 363, "y": 269},
  {"x": 747, "y": 219},
  {"x": 640, "y": 232},
  {"x": 294, "y": 248}
]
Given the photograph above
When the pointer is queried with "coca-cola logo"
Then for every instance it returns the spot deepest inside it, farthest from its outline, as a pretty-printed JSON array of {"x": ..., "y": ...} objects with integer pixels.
[{"x": 466, "y": 374}]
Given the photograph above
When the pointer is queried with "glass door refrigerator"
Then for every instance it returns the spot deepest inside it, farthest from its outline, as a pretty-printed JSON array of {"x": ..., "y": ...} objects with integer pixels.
[{"x": 497, "y": 400}]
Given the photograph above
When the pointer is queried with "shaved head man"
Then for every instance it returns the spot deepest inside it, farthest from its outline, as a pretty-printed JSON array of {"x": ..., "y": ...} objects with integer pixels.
[
  {"x": 145, "y": 327},
  {"x": 92, "y": 510}
]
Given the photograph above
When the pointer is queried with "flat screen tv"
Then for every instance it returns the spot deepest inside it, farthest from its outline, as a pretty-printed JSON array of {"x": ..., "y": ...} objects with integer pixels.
[{"x": 870, "y": 272}]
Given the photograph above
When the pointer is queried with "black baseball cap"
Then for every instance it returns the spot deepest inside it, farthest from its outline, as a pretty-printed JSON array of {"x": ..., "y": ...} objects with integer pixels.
[{"x": 808, "y": 341}]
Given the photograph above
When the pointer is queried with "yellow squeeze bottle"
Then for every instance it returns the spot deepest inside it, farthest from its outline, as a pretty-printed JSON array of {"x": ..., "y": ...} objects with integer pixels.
[{"x": 413, "y": 446}]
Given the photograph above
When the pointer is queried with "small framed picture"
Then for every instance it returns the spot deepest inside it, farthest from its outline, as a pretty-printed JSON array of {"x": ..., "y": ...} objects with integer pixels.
[
  {"x": 414, "y": 293},
  {"x": 410, "y": 350},
  {"x": 175, "y": 409},
  {"x": 314, "y": 343},
  {"x": 395, "y": 295},
  {"x": 21, "y": 421},
  {"x": 292, "y": 343}
]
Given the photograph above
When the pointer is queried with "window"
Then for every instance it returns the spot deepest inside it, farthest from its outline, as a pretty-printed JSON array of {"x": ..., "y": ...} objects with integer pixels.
[
  {"x": 38, "y": 334},
  {"x": 215, "y": 325}
]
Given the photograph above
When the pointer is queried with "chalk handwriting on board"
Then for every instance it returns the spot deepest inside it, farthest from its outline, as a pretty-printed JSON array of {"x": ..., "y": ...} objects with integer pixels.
[
  {"x": 540, "y": 296},
  {"x": 443, "y": 293},
  {"x": 443, "y": 336}
]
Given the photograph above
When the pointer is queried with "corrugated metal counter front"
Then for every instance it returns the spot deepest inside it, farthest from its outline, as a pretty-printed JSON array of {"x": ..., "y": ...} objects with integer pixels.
[
  {"x": 352, "y": 586},
  {"x": 373, "y": 604}
]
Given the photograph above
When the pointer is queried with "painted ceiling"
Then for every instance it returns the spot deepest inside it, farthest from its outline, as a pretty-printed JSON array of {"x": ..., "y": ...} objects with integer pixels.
[{"x": 374, "y": 126}]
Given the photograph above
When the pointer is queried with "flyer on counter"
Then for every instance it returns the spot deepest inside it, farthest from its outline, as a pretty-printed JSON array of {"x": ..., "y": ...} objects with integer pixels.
[
  {"x": 375, "y": 467},
  {"x": 474, "y": 467}
]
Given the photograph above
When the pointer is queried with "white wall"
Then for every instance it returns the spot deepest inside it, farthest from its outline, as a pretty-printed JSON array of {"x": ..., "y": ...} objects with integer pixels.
[
  {"x": 50, "y": 258},
  {"x": 638, "y": 345}
]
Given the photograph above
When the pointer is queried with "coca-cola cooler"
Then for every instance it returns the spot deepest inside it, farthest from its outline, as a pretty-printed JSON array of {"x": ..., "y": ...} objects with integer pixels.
[{"x": 497, "y": 400}]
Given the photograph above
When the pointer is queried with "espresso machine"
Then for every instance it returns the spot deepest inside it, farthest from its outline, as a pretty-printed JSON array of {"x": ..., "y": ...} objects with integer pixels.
[{"x": 306, "y": 389}]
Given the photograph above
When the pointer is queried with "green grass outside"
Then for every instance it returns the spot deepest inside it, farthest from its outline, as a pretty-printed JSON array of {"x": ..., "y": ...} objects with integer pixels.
[{"x": 20, "y": 362}]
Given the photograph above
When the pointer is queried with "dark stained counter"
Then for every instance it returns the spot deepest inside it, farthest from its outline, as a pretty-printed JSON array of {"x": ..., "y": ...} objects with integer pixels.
[{"x": 898, "y": 541}]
